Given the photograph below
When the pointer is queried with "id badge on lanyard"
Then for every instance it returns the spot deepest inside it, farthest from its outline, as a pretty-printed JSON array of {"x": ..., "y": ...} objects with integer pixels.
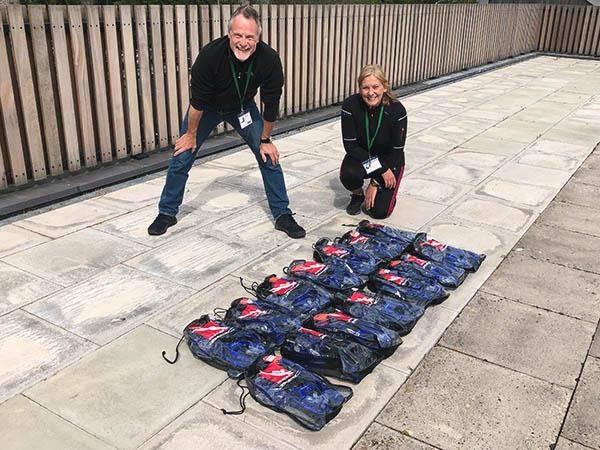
[
  {"x": 244, "y": 118},
  {"x": 371, "y": 164}
]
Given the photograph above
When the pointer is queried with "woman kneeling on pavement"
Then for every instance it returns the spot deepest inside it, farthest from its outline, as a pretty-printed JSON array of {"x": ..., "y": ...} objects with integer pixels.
[{"x": 374, "y": 131}]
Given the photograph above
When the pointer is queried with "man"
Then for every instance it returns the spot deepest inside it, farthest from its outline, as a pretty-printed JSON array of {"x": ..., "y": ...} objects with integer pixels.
[{"x": 225, "y": 78}]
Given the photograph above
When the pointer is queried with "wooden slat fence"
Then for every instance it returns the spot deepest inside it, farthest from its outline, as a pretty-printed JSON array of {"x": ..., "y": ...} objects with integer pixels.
[
  {"x": 81, "y": 86},
  {"x": 571, "y": 29}
]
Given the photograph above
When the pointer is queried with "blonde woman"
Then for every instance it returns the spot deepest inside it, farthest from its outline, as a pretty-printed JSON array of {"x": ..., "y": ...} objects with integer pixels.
[{"x": 373, "y": 131}]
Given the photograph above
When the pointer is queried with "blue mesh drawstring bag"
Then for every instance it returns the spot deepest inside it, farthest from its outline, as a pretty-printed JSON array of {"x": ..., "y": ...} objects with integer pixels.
[
  {"x": 361, "y": 262},
  {"x": 301, "y": 298},
  {"x": 336, "y": 276},
  {"x": 433, "y": 250},
  {"x": 372, "y": 335},
  {"x": 285, "y": 386},
  {"x": 410, "y": 286},
  {"x": 445, "y": 274},
  {"x": 264, "y": 318},
  {"x": 330, "y": 356},
  {"x": 382, "y": 250},
  {"x": 390, "y": 312},
  {"x": 224, "y": 346}
]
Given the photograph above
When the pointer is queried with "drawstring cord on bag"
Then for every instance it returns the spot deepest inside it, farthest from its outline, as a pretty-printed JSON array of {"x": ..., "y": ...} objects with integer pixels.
[
  {"x": 220, "y": 312},
  {"x": 164, "y": 352},
  {"x": 250, "y": 290},
  {"x": 242, "y": 401}
]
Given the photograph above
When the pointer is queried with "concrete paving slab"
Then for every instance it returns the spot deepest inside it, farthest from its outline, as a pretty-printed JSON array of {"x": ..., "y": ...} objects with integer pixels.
[
  {"x": 218, "y": 295},
  {"x": 411, "y": 213},
  {"x": 426, "y": 139},
  {"x": 546, "y": 112},
  {"x": 218, "y": 200},
  {"x": 563, "y": 247},
  {"x": 579, "y": 194},
  {"x": 588, "y": 176},
  {"x": 32, "y": 350},
  {"x": 316, "y": 201},
  {"x": 26, "y": 425},
  {"x": 457, "y": 172},
  {"x": 516, "y": 131},
  {"x": 204, "y": 427},
  {"x": 484, "y": 144},
  {"x": 98, "y": 394},
  {"x": 75, "y": 257},
  {"x": 473, "y": 158},
  {"x": 529, "y": 340},
  {"x": 571, "y": 133},
  {"x": 525, "y": 279},
  {"x": 562, "y": 148},
  {"x": 67, "y": 219},
  {"x": 208, "y": 172},
  {"x": 417, "y": 157},
  {"x": 20, "y": 288},
  {"x": 110, "y": 304},
  {"x": 133, "y": 197},
  {"x": 252, "y": 179},
  {"x": 454, "y": 401},
  {"x": 370, "y": 396},
  {"x": 240, "y": 160},
  {"x": 562, "y": 96},
  {"x": 275, "y": 261},
  {"x": 595, "y": 347},
  {"x": 330, "y": 149},
  {"x": 572, "y": 217},
  {"x": 592, "y": 162},
  {"x": 565, "y": 444},
  {"x": 491, "y": 114},
  {"x": 558, "y": 162},
  {"x": 582, "y": 425},
  {"x": 423, "y": 337},
  {"x": 379, "y": 437},
  {"x": 307, "y": 165},
  {"x": 133, "y": 226},
  {"x": 540, "y": 176},
  {"x": 516, "y": 193},
  {"x": 492, "y": 212},
  {"x": 196, "y": 261},
  {"x": 336, "y": 226},
  {"x": 431, "y": 189},
  {"x": 13, "y": 239}
]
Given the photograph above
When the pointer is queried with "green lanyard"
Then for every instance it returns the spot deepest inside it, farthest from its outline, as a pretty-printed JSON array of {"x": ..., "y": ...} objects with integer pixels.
[
  {"x": 370, "y": 140},
  {"x": 237, "y": 86}
]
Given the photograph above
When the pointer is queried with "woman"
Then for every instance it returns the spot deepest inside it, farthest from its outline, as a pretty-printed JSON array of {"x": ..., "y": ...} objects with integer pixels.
[{"x": 374, "y": 132}]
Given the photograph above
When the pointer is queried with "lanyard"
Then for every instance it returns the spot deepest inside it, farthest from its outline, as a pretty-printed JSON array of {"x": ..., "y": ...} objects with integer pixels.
[
  {"x": 370, "y": 140},
  {"x": 237, "y": 86}
]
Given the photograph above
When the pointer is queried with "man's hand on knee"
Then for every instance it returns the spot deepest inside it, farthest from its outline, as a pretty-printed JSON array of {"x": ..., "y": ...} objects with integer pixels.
[
  {"x": 186, "y": 141},
  {"x": 271, "y": 151}
]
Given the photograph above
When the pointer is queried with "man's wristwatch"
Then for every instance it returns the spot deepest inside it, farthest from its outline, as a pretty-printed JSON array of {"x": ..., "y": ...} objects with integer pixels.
[{"x": 266, "y": 140}]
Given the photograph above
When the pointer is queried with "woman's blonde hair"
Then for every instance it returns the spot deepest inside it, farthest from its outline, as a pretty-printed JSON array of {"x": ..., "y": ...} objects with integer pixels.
[{"x": 377, "y": 71}]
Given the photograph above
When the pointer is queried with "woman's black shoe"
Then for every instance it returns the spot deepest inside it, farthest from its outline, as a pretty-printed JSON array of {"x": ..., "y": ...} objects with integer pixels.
[
  {"x": 356, "y": 202},
  {"x": 288, "y": 225},
  {"x": 160, "y": 224}
]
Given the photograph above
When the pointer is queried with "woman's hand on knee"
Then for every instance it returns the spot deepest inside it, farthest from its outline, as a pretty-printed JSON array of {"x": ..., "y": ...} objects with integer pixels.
[
  {"x": 389, "y": 179},
  {"x": 370, "y": 196}
]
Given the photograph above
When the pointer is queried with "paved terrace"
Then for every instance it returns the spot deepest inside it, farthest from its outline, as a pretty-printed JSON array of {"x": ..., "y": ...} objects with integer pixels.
[{"x": 89, "y": 300}]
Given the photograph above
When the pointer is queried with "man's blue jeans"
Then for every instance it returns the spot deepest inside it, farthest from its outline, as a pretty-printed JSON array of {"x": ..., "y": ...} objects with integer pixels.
[{"x": 180, "y": 165}]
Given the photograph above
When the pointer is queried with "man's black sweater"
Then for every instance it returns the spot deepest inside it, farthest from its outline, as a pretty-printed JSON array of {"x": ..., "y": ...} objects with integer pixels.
[
  {"x": 389, "y": 143},
  {"x": 212, "y": 81}
]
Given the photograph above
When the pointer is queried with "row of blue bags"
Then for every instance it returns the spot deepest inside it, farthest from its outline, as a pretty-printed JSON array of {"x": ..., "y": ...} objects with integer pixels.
[{"x": 324, "y": 321}]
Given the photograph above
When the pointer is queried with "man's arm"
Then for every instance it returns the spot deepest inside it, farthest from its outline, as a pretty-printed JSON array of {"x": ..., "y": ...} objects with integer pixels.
[
  {"x": 187, "y": 141},
  {"x": 268, "y": 149}
]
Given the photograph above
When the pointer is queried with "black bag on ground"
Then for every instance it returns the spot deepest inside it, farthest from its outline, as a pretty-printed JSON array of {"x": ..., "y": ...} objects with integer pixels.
[
  {"x": 336, "y": 275},
  {"x": 330, "y": 356},
  {"x": 382, "y": 250},
  {"x": 361, "y": 262},
  {"x": 409, "y": 286},
  {"x": 445, "y": 274},
  {"x": 433, "y": 250}
]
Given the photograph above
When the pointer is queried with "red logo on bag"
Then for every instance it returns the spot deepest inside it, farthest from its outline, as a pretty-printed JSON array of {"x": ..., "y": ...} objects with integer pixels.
[
  {"x": 374, "y": 225},
  {"x": 395, "y": 263},
  {"x": 245, "y": 301},
  {"x": 313, "y": 332},
  {"x": 333, "y": 251},
  {"x": 252, "y": 312},
  {"x": 435, "y": 244},
  {"x": 361, "y": 298},
  {"x": 335, "y": 315},
  {"x": 309, "y": 267},
  {"x": 357, "y": 238},
  {"x": 415, "y": 260},
  {"x": 276, "y": 373},
  {"x": 282, "y": 287},
  {"x": 210, "y": 330},
  {"x": 396, "y": 279}
]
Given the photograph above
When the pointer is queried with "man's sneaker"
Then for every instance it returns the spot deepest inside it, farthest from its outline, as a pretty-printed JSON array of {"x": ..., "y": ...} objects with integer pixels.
[
  {"x": 356, "y": 202},
  {"x": 160, "y": 224},
  {"x": 288, "y": 225}
]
